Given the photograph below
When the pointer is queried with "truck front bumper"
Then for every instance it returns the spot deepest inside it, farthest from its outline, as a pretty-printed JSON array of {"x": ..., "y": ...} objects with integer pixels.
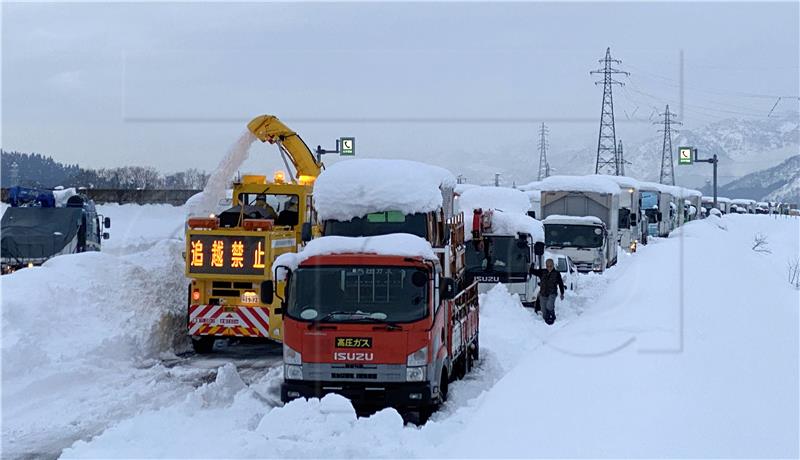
[{"x": 412, "y": 395}]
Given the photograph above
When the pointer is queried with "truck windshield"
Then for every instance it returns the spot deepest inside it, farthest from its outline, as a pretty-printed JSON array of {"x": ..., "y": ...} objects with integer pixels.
[
  {"x": 358, "y": 294},
  {"x": 379, "y": 223},
  {"x": 499, "y": 254},
  {"x": 577, "y": 236}
]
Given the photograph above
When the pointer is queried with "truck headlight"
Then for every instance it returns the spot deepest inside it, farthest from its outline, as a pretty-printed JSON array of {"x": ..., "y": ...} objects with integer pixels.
[
  {"x": 418, "y": 358},
  {"x": 598, "y": 264},
  {"x": 415, "y": 374},
  {"x": 291, "y": 356},
  {"x": 292, "y": 372}
]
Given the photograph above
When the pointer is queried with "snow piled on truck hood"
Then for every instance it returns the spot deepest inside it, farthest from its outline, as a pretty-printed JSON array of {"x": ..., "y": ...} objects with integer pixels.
[
  {"x": 395, "y": 244},
  {"x": 355, "y": 188},
  {"x": 503, "y": 198}
]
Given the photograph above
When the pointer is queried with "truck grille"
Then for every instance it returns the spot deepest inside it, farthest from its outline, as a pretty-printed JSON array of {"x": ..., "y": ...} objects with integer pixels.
[
  {"x": 583, "y": 266},
  {"x": 229, "y": 288},
  {"x": 341, "y": 375}
]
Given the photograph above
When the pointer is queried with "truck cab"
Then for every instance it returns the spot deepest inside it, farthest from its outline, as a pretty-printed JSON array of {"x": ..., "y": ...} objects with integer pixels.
[
  {"x": 584, "y": 239},
  {"x": 380, "y": 328}
]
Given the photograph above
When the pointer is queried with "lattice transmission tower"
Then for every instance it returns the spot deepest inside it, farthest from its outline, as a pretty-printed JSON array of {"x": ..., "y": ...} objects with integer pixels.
[
  {"x": 607, "y": 162},
  {"x": 544, "y": 166},
  {"x": 667, "y": 175}
]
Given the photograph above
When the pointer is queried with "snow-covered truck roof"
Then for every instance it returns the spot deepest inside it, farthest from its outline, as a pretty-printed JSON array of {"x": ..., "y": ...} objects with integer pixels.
[
  {"x": 723, "y": 199},
  {"x": 596, "y": 184},
  {"x": 572, "y": 220},
  {"x": 690, "y": 192},
  {"x": 394, "y": 244},
  {"x": 461, "y": 188},
  {"x": 531, "y": 186},
  {"x": 355, "y": 188},
  {"x": 744, "y": 201},
  {"x": 501, "y": 198},
  {"x": 623, "y": 181}
]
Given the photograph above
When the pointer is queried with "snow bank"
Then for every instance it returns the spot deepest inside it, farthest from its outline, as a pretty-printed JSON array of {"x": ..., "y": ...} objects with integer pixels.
[
  {"x": 355, "y": 188},
  {"x": 395, "y": 244},
  {"x": 675, "y": 368},
  {"x": 503, "y": 198},
  {"x": 76, "y": 333},
  {"x": 138, "y": 227},
  {"x": 557, "y": 218},
  {"x": 595, "y": 183}
]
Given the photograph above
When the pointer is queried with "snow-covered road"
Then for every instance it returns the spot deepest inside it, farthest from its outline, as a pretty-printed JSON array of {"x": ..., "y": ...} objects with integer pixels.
[{"x": 660, "y": 356}]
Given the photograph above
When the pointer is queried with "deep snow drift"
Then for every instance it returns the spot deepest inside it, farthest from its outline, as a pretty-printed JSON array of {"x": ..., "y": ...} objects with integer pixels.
[
  {"x": 81, "y": 335},
  {"x": 668, "y": 354}
]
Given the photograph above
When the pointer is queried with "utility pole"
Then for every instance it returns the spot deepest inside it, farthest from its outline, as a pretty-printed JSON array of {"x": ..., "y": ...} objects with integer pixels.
[
  {"x": 620, "y": 159},
  {"x": 497, "y": 179},
  {"x": 607, "y": 161},
  {"x": 544, "y": 167},
  {"x": 667, "y": 175}
]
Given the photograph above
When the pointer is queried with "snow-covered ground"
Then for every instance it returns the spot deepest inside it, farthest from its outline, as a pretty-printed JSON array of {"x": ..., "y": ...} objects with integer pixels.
[{"x": 687, "y": 348}]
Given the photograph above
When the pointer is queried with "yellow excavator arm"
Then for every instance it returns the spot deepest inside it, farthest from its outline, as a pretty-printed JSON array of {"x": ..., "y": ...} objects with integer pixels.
[{"x": 267, "y": 128}]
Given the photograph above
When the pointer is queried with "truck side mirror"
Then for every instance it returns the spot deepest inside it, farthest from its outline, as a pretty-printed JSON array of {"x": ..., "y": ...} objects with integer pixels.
[
  {"x": 532, "y": 214},
  {"x": 106, "y": 235},
  {"x": 633, "y": 220},
  {"x": 659, "y": 216},
  {"x": 107, "y": 222},
  {"x": 448, "y": 289},
  {"x": 267, "y": 292},
  {"x": 305, "y": 232},
  {"x": 538, "y": 248}
]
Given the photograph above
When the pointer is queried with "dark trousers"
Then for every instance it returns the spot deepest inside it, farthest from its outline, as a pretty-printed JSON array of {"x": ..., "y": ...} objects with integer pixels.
[{"x": 548, "y": 305}]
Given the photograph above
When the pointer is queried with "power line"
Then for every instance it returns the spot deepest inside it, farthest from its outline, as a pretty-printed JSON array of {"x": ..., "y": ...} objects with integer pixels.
[{"x": 607, "y": 139}]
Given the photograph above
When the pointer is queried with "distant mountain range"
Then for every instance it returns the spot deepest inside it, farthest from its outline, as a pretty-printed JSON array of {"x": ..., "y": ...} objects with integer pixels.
[
  {"x": 743, "y": 146},
  {"x": 778, "y": 183}
]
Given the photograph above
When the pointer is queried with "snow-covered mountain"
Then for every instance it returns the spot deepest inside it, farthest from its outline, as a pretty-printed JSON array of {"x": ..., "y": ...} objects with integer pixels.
[
  {"x": 778, "y": 183},
  {"x": 742, "y": 145}
]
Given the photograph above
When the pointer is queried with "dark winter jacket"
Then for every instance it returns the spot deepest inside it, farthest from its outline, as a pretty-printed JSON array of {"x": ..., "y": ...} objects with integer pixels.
[{"x": 549, "y": 281}]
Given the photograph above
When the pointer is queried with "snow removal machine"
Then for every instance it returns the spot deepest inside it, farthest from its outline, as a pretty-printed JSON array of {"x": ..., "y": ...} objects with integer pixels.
[
  {"x": 229, "y": 256},
  {"x": 376, "y": 309},
  {"x": 41, "y": 224}
]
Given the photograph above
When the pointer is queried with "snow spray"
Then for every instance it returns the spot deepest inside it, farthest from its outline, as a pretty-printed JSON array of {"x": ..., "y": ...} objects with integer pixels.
[{"x": 214, "y": 190}]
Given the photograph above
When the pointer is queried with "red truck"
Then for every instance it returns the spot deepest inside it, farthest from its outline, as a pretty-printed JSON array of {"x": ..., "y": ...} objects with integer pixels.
[{"x": 382, "y": 329}]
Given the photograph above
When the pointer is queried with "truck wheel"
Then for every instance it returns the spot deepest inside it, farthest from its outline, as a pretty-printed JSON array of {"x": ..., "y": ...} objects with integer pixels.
[
  {"x": 203, "y": 345},
  {"x": 443, "y": 387},
  {"x": 476, "y": 350}
]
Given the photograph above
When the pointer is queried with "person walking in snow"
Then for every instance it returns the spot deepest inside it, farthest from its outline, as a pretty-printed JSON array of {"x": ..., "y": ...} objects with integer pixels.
[{"x": 550, "y": 283}]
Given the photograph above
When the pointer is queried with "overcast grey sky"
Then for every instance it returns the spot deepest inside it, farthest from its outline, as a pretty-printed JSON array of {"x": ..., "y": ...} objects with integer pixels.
[{"x": 173, "y": 84}]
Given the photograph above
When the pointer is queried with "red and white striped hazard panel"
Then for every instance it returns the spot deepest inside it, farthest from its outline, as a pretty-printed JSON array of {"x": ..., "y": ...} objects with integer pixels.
[{"x": 227, "y": 320}]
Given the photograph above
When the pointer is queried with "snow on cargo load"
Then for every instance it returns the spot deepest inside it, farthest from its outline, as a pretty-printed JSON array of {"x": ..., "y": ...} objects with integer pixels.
[
  {"x": 395, "y": 244},
  {"x": 355, "y": 188}
]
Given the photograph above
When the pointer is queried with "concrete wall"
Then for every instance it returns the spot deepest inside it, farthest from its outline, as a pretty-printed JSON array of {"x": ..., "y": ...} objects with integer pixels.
[{"x": 101, "y": 196}]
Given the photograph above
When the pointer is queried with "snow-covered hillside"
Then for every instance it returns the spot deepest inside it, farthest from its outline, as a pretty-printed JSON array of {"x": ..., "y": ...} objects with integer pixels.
[
  {"x": 687, "y": 348},
  {"x": 778, "y": 183},
  {"x": 743, "y": 146}
]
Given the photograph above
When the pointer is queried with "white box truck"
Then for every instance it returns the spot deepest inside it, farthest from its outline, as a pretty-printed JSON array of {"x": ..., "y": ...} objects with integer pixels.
[
  {"x": 631, "y": 230},
  {"x": 581, "y": 215}
]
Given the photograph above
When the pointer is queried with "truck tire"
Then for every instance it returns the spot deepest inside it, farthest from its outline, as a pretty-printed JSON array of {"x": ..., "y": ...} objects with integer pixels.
[
  {"x": 203, "y": 345},
  {"x": 476, "y": 349}
]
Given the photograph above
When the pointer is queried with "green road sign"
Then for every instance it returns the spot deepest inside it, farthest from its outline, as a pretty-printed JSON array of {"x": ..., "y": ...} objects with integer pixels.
[
  {"x": 685, "y": 155},
  {"x": 347, "y": 146}
]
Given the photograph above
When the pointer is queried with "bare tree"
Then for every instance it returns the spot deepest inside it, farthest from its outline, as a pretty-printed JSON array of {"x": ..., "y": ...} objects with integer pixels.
[
  {"x": 760, "y": 244},
  {"x": 794, "y": 272}
]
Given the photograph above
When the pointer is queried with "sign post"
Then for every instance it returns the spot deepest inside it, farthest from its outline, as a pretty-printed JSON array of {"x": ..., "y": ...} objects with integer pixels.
[
  {"x": 345, "y": 146},
  {"x": 713, "y": 160}
]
